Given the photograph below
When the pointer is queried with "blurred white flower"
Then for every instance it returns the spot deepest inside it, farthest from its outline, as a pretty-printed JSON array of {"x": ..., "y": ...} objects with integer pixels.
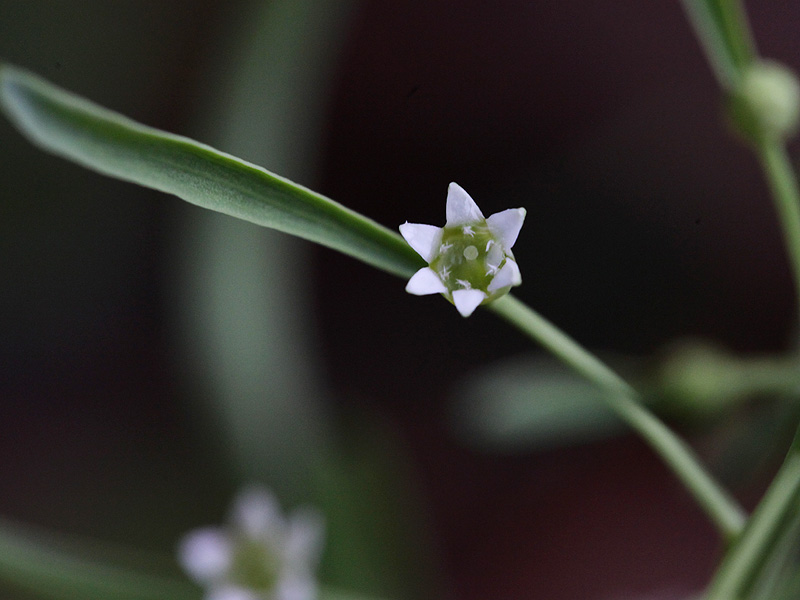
[
  {"x": 469, "y": 259},
  {"x": 259, "y": 554}
]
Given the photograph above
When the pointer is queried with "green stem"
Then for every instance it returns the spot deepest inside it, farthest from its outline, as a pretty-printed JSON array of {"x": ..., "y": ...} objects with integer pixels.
[
  {"x": 737, "y": 31},
  {"x": 741, "y": 565},
  {"x": 783, "y": 184},
  {"x": 625, "y": 402},
  {"x": 701, "y": 14}
]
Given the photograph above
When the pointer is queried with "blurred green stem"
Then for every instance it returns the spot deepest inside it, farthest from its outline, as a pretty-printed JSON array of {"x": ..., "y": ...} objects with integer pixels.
[
  {"x": 733, "y": 20},
  {"x": 741, "y": 566},
  {"x": 721, "y": 26},
  {"x": 723, "y": 30},
  {"x": 625, "y": 402},
  {"x": 783, "y": 184}
]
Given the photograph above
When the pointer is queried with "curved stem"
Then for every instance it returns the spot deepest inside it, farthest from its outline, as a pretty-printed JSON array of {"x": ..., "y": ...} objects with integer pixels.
[
  {"x": 723, "y": 510},
  {"x": 783, "y": 185},
  {"x": 740, "y": 567}
]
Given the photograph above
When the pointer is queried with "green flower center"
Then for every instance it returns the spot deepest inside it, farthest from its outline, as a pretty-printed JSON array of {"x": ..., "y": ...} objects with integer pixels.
[
  {"x": 254, "y": 566},
  {"x": 468, "y": 257}
]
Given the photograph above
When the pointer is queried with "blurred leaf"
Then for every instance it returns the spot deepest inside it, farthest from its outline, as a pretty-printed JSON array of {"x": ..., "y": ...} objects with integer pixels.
[
  {"x": 244, "y": 316},
  {"x": 377, "y": 540},
  {"x": 250, "y": 336},
  {"x": 109, "y": 143},
  {"x": 56, "y": 568},
  {"x": 531, "y": 403}
]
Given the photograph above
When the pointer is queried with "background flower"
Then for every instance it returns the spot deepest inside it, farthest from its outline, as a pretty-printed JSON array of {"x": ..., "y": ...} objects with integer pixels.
[{"x": 259, "y": 555}]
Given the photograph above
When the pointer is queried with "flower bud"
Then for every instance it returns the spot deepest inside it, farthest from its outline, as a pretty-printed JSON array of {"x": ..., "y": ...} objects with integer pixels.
[
  {"x": 700, "y": 379},
  {"x": 766, "y": 103}
]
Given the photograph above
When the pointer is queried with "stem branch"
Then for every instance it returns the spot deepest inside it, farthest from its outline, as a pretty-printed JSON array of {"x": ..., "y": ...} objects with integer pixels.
[
  {"x": 723, "y": 510},
  {"x": 740, "y": 567}
]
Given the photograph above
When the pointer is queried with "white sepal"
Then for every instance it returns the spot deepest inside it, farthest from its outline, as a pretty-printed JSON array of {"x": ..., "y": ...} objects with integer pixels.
[
  {"x": 508, "y": 275},
  {"x": 424, "y": 282},
  {"x": 206, "y": 554},
  {"x": 256, "y": 513},
  {"x": 424, "y": 239},
  {"x": 506, "y": 224},
  {"x": 231, "y": 592},
  {"x": 304, "y": 537},
  {"x": 461, "y": 208},
  {"x": 467, "y": 301},
  {"x": 299, "y": 588}
]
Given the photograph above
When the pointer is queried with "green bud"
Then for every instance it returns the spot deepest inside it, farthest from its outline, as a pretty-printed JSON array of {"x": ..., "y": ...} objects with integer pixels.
[
  {"x": 766, "y": 103},
  {"x": 700, "y": 379}
]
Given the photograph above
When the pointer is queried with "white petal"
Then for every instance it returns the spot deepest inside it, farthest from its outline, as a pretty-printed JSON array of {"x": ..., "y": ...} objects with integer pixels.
[
  {"x": 424, "y": 239},
  {"x": 205, "y": 554},
  {"x": 232, "y": 592},
  {"x": 424, "y": 282},
  {"x": 304, "y": 537},
  {"x": 505, "y": 225},
  {"x": 296, "y": 588},
  {"x": 508, "y": 275},
  {"x": 467, "y": 301},
  {"x": 461, "y": 208},
  {"x": 256, "y": 513}
]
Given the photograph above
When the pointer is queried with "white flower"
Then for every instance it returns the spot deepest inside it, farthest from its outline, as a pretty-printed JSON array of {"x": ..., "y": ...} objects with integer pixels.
[
  {"x": 469, "y": 259},
  {"x": 259, "y": 555}
]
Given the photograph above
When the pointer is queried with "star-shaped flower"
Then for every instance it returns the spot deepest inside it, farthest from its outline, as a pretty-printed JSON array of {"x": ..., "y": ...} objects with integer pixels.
[
  {"x": 260, "y": 555},
  {"x": 469, "y": 259}
]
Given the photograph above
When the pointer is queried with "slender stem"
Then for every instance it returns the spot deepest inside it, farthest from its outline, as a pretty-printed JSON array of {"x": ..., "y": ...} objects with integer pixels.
[
  {"x": 713, "y": 41},
  {"x": 778, "y": 564},
  {"x": 729, "y": 43},
  {"x": 625, "y": 402},
  {"x": 783, "y": 184},
  {"x": 737, "y": 32},
  {"x": 740, "y": 567}
]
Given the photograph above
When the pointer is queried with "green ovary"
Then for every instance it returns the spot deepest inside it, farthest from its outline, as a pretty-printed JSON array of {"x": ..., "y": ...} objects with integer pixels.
[
  {"x": 254, "y": 566},
  {"x": 468, "y": 258}
]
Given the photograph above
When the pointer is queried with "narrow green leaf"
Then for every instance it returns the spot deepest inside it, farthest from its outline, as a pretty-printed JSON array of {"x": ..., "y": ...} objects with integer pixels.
[{"x": 109, "y": 143}]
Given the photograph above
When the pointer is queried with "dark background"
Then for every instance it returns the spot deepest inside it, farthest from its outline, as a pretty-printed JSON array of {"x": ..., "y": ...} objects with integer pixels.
[{"x": 646, "y": 222}]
